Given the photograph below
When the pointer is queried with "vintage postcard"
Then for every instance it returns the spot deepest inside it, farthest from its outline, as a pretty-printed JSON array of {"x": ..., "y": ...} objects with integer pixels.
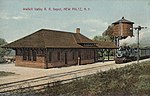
[{"x": 74, "y": 47}]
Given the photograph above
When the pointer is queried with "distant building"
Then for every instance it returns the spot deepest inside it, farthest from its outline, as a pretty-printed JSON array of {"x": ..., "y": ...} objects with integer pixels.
[{"x": 50, "y": 48}]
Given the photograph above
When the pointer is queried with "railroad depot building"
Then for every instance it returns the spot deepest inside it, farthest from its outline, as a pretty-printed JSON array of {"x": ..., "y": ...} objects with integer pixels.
[{"x": 50, "y": 48}]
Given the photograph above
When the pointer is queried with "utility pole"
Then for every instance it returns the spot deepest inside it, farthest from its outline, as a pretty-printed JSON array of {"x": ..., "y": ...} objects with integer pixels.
[{"x": 138, "y": 43}]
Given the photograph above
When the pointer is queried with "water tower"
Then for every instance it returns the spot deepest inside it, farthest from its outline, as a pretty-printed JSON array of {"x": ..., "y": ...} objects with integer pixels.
[{"x": 122, "y": 29}]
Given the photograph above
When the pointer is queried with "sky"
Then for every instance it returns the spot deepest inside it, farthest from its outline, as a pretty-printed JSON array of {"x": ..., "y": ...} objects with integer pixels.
[{"x": 91, "y": 16}]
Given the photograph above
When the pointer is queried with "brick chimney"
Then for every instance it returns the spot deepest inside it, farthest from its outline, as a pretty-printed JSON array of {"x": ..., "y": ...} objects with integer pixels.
[{"x": 77, "y": 30}]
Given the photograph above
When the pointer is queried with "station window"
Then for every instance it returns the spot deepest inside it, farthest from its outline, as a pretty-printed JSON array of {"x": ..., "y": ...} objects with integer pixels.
[
  {"x": 58, "y": 56},
  {"x": 73, "y": 55},
  {"x": 18, "y": 52},
  {"x": 29, "y": 55},
  {"x": 50, "y": 57},
  {"x": 24, "y": 55},
  {"x": 34, "y": 55}
]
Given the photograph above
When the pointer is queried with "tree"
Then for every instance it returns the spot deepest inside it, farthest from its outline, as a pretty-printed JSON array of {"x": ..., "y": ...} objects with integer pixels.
[
  {"x": 109, "y": 32},
  {"x": 3, "y": 51},
  {"x": 125, "y": 44},
  {"x": 107, "y": 35},
  {"x": 101, "y": 38},
  {"x": 98, "y": 38}
]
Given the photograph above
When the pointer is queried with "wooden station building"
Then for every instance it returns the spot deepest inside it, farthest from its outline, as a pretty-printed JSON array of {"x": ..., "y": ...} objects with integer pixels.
[{"x": 50, "y": 48}]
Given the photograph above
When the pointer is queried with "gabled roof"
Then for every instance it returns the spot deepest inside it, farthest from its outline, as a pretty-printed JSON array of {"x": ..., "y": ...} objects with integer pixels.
[
  {"x": 123, "y": 21},
  {"x": 82, "y": 39},
  {"x": 105, "y": 44},
  {"x": 45, "y": 38}
]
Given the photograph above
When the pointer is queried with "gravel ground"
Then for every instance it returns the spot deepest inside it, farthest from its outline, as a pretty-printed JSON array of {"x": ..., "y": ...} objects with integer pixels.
[{"x": 23, "y": 73}]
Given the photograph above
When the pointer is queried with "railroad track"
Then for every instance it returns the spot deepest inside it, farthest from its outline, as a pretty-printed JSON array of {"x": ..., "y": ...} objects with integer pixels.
[{"x": 8, "y": 87}]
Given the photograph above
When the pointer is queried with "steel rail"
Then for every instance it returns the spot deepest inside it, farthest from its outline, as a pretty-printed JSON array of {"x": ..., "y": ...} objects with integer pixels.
[{"x": 17, "y": 83}]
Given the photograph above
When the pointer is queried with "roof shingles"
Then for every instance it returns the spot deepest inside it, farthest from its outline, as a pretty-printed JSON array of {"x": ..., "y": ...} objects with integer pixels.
[
  {"x": 123, "y": 21},
  {"x": 45, "y": 38}
]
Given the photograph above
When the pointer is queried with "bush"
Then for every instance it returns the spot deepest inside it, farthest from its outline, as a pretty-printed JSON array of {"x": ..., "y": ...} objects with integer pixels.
[{"x": 3, "y": 73}]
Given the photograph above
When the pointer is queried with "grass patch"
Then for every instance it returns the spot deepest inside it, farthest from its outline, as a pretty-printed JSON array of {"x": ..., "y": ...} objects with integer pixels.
[
  {"x": 131, "y": 80},
  {"x": 3, "y": 73}
]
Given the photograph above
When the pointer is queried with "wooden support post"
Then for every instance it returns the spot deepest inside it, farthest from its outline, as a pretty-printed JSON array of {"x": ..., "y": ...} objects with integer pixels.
[
  {"x": 102, "y": 52},
  {"x": 108, "y": 51},
  {"x": 78, "y": 60}
]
